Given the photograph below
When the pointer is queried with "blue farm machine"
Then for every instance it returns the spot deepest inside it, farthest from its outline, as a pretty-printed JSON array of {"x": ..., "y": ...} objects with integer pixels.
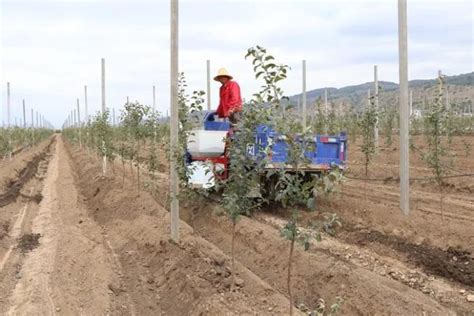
[{"x": 209, "y": 159}]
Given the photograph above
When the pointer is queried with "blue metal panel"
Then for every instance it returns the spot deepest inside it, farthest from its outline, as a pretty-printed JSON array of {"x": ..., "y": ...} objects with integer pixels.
[
  {"x": 210, "y": 123},
  {"x": 328, "y": 152},
  {"x": 322, "y": 149},
  {"x": 279, "y": 151}
]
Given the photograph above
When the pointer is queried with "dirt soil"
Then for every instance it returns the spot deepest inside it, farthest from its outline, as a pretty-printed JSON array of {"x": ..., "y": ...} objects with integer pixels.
[
  {"x": 162, "y": 277},
  {"x": 107, "y": 251},
  {"x": 13, "y": 187},
  {"x": 99, "y": 247},
  {"x": 20, "y": 181},
  {"x": 453, "y": 264},
  {"x": 430, "y": 250},
  {"x": 28, "y": 242},
  {"x": 362, "y": 272},
  {"x": 441, "y": 240}
]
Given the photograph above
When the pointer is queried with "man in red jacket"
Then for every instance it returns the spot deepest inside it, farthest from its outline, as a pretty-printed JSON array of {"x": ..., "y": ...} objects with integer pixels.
[{"x": 230, "y": 103}]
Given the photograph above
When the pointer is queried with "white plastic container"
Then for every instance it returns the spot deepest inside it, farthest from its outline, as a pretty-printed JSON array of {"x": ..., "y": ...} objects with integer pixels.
[{"x": 206, "y": 144}]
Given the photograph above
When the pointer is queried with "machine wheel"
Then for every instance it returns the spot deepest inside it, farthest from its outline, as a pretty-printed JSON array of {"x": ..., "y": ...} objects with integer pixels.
[{"x": 268, "y": 187}]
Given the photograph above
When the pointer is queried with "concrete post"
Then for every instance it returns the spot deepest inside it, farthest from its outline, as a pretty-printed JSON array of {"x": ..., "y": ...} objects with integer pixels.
[
  {"x": 75, "y": 118},
  {"x": 326, "y": 101},
  {"x": 103, "y": 84},
  {"x": 8, "y": 104},
  {"x": 174, "y": 180},
  {"x": 24, "y": 114},
  {"x": 304, "y": 95},
  {"x": 448, "y": 105},
  {"x": 86, "y": 113},
  {"x": 78, "y": 114},
  {"x": 208, "y": 71},
  {"x": 440, "y": 79},
  {"x": 404, "y": 119},
  {"x": 154, "y": 99},
  {"x": 376, "y": 104},
  {"x": 79, "y": 124}
]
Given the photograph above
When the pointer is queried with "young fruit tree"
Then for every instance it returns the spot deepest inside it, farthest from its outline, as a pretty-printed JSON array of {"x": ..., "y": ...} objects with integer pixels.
[
  {"x": 437, "y": 157},
  {"x": 135, "y": 118},
  {"x": 292, "y": 186},
  {"x": 241, "y": 190},
  {"x": 190, "y": 117},
  {"x": 366, "y": 125},
  {"x": 102, "y": 134}
]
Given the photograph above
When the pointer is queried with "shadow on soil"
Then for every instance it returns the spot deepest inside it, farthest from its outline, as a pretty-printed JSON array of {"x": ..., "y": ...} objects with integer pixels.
[
  {"x": 28, "y": 242},
  {"x": 453, "y": 264},
  {"x": 14, "y": 186}
]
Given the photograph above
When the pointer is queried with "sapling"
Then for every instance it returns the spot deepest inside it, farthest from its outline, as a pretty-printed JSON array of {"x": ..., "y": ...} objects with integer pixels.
[
  {"x": 103, "y": 133},
  {"x": 319, "y": 121},
  {"x": 351, "y": 119},
  {"x": 331, "y": 121},
  {"x": 467, "y": 148},
  {"x": 121, "y": 143},
  {"x": 437, "y": 156},
  {"x": 388, "y": 118},
  {"x": 151, "y": 126},
  {"x": 189, "y": 115},
  {"x": 294, "y": 188},
  {"x": 296, "y": 191},
  {"x": 239, "y": 189},
  {"x": 133, "y": 118},
  {"x": 366, "y": 126},
  {"x": 322, "y": 309}
]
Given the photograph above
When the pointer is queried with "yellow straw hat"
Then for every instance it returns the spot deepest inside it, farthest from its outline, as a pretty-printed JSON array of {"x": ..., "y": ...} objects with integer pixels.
[{"x": 222, "y": 73}]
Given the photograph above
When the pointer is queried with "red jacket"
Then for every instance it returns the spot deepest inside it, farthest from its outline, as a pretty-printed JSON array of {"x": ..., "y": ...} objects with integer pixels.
[{"x": 229, "y": 99}]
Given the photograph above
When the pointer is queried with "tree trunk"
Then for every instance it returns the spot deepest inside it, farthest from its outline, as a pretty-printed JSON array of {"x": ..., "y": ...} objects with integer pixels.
[
  {"x": 232, "y": 253},
  {"x": 290, "y": 259},
  {"x": 123, "y": 171},
  {"x": 441, "y": 199},
  {"x": 138, "y": 167},
  {"x": 104, "y": 164}
]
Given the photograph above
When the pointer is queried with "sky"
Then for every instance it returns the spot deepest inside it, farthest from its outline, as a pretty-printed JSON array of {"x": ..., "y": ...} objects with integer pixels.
[{"x": 49, "y": 50}]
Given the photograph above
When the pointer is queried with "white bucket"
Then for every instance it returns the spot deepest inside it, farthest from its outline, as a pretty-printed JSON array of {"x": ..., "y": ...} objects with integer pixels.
[{"x": 206, "y": 144}]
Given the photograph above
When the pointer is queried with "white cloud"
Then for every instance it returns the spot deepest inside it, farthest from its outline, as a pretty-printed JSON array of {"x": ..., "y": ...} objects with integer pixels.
[{"x": 51, "y": 49}]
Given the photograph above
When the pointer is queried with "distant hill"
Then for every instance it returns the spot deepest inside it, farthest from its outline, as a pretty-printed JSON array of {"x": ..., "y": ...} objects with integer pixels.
[
  {"x": 460, "y": 91},
  {"x": 459, "y": 80}
]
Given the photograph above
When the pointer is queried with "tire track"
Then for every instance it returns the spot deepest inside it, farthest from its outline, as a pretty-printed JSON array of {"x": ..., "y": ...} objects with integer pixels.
[
  {"x": 96, "y": 287},
  {"x": 424, "y": 201},
  {"x": 25, "y": 175},
  {"x": 15, "y": 233},
  {"x": 32, "y": 293},
  {"x": 419, "y": 208}
]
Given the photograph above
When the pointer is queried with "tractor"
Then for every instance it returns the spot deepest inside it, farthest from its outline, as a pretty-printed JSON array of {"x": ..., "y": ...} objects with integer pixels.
[{"x": 208, "y": 157}]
